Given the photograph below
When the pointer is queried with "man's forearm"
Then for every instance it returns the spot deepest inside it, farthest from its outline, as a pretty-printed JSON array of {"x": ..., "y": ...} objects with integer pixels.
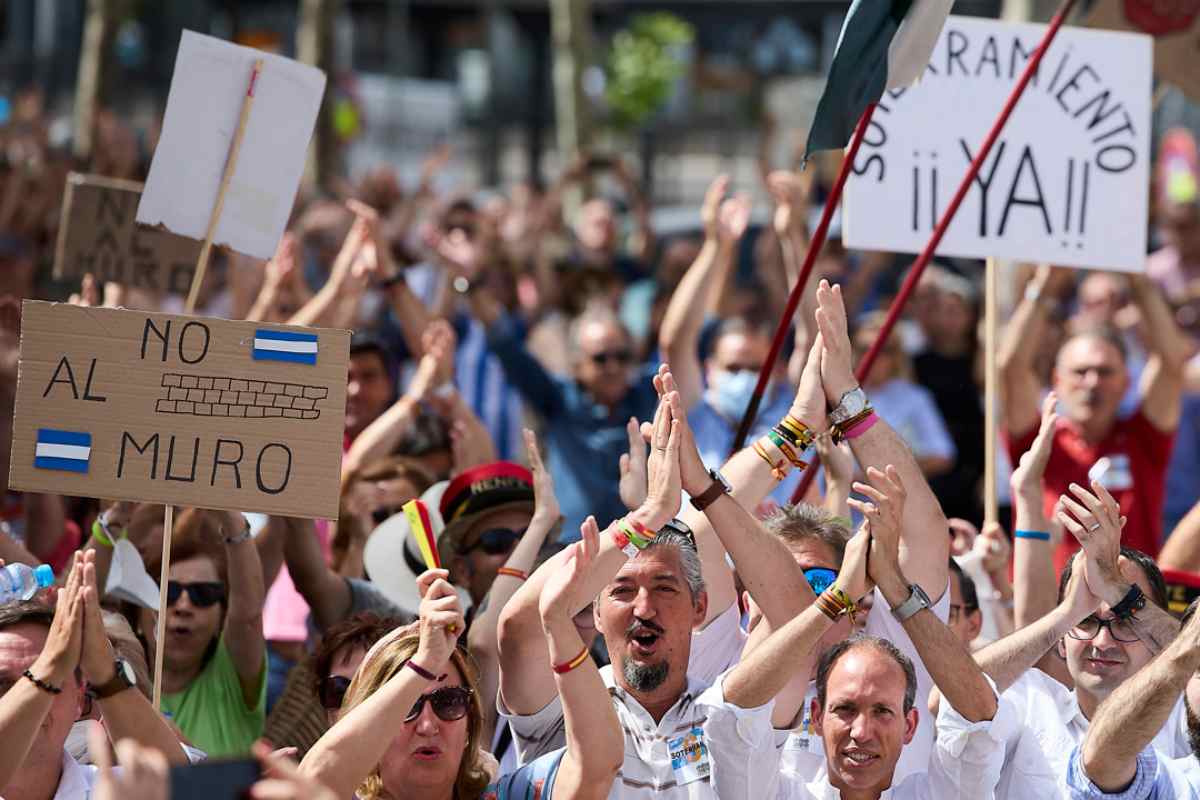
[
  {"x": 129, "y": 715},
  {"x": 1133, "y": 715},
  {"x": 327, "y": 594},
  {"x": 45, "y": 523},
  {"x": 954, "y": 672},
  {"x": 1004, "y": 661},
  {"x": 23, "y": 708},
  {"x": 765, "y": 670},
  {"x": 1155, "y": 627},
  {"x": 1034, "y": 586},
  {"x": 1164, "y": 336}
]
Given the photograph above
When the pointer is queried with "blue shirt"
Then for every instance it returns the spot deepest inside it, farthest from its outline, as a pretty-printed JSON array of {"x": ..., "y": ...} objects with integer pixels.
[
  {"x": 534, "y": 781},
  {"x": 714, "y": 435},
  {"x": 584, "y": 440},
  {"x": 1157, "y": 778}
]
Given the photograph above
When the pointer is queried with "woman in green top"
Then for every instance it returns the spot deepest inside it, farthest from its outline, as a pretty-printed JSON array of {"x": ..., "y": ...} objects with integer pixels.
[{"x": 214, "y": 663}]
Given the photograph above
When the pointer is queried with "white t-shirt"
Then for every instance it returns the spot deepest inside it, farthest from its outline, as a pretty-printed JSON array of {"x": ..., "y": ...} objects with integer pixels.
[{"x": 77, "y": 781}]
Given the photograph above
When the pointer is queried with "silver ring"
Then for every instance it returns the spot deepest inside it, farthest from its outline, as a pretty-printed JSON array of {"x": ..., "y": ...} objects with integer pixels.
[{"x": 1094, "y": 528}]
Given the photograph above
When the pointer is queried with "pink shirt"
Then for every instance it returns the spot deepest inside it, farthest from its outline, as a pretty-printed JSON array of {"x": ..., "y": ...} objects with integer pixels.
[{"x": 285, "y": 614}]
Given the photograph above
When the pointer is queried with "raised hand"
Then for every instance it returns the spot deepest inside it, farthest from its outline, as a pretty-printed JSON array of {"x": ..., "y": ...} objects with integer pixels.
[
  {"x": 882, "y": 514},
  {"x": 809, "y": 404},
  {"x": 1095, "y": 521},
  {"x": 962, "y": 536},
  {"x": 440, "y": 620},
  {"x": 60, "y": 655},
  {"x": 1026, "y": 479},
  {"x": 560, "y": 598},
  {"x": 733, "y": 218},
  {"x": 693, "y": 475},
  {"x": 633, "y": 467},
  {"x": 545, "y": 501},
  {"x": 460, "y": 254},
  {"x": 710, "y": 209},
  {"x": 282, "y": 779},
  {"x": 96, "y": 653},
  {"x": 994, "y": 547},
  {"x": 441, "y": 343},
  {"x": 837, "y": 368},
  {"x": 852, "y": 577},
  {"x": 663, "y": 485}
]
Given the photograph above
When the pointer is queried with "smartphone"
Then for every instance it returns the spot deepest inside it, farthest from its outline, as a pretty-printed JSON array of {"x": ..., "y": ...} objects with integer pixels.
[{"x": 210, "y": 780}]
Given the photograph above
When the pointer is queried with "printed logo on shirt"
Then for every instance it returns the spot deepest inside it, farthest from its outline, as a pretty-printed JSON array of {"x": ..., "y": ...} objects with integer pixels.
[
  {"x": 689, "y": 757},
  {"x": 1113, "y": 472}
]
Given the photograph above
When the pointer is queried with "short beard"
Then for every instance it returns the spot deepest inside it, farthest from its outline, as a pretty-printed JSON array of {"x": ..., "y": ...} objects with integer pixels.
[
  {"x": 645, "y": 678},
  {"x": 1193, "y": 728}
]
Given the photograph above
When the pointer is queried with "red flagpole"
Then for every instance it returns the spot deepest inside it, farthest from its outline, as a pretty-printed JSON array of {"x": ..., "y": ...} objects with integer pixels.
[
  {"x": 918, "y": 267},
  {"x": 810, "y": 258}
]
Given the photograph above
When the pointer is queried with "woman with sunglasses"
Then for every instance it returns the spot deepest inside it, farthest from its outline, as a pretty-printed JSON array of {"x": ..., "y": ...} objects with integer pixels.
[
  {"x": 214, "y": 678},
  {"x": 411, "y": 725}
]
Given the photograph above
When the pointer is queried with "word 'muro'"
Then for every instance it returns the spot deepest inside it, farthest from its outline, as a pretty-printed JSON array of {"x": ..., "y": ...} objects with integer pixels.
[{"x": 211, "y": 396}]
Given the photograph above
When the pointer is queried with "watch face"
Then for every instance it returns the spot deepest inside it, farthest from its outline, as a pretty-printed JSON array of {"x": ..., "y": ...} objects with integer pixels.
[
  {"x": 717, "y": 476},
  {"x": 126, "y": 669},
  {"x": 851, "y": 404}
]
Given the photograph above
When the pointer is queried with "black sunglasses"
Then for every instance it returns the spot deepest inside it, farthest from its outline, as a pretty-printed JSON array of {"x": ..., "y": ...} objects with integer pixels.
[
  {"x": 332, "y": 691},
  {"x": 495, "y": 541},
  {"x": 449, "y": 703},
  {"x": 617, "y": 356},
  {"x": 202, "y": 594}
]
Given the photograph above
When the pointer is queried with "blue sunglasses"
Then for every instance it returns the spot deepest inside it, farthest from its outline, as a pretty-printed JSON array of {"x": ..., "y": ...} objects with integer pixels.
[{"x": 820, "y": 578}]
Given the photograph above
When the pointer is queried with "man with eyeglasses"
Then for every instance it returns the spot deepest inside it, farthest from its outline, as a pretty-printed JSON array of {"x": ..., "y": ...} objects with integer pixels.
[
  {"x": 965, "y": 618},
  {"x": 1109, "y": 623}
]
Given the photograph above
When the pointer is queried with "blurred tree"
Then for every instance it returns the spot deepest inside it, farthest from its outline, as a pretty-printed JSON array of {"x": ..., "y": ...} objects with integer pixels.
[{"x": 643, "y": 66}]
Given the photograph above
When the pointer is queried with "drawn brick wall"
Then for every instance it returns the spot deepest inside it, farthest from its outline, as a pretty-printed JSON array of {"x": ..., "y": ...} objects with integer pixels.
[{"x": 213, "y": 396}]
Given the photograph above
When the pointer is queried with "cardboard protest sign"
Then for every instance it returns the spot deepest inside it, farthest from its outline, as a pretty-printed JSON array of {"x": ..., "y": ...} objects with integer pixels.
[
  {"x": 1176, "y": 31},
  {"x": 203, "y": 110},
  {"x": 186, "y": 410},
  {"x": 1067, "y": 181},
  {"x": 97, "y": 234}
]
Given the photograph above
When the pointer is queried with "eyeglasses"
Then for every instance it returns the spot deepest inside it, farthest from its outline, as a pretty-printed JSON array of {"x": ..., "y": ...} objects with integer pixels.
[
  {"x": 332, "y": 691},
  {"x": 619, "y": 357},
  {"x": 449, "y": 704},
  {"x": 820, "y": 578},
  {"x": 202, "y": 594},
  {"x": 495, "y": 541},
  {"x": 1089, "y": 629}
]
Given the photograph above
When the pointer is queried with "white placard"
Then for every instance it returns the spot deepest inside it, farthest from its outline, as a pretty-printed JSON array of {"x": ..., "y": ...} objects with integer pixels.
[
  {"x": 210, "y": 82},
  {"x": 1067, "y": 181}
]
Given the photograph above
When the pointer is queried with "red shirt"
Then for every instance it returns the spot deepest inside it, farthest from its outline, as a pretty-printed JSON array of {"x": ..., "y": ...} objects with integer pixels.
[{"x": 1134, "y": 470}]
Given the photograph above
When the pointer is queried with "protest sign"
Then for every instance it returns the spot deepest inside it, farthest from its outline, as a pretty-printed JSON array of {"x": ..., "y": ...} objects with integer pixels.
[
  {"x": 1067, "y": 181},
  {"x": 1176, "y": 31},
  {"x": 171, "y": 409},
  {"x": 97, "y": 234},
  {"x": 204, "y": 108}
]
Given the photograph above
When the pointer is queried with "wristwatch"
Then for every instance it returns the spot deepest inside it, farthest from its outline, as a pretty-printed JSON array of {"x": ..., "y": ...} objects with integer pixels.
[
  {"x": 916, "y": 601},
  {"x": 1133, "y": 602},
  {"x": 123, "y": 678},
  {"x": 851, "y": 404},
  {"x": 238, "y": 538},
  {"x": 718, "y": 487}
]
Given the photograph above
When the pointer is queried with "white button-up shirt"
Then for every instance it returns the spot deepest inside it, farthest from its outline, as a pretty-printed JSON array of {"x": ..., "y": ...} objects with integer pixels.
[
  {"x": 77, "y": 780},
  {"x": 964, "y": 763},
  {"x": 1050, "y": 726},
  {"x": 704, "y": 747}
]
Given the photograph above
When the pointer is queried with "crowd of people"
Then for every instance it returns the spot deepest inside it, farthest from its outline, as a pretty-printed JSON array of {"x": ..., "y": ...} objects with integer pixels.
[{"x": 630, "y": 606}]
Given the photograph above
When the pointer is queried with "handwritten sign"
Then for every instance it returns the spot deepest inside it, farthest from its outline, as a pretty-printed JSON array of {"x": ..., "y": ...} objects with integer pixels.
[
  {"x": 203, "y": 108},
  {"x": 187, "y": 410},
  {"x": 97, "y": 234},
  {"x": 1175, "y": 27},
  {"x": 1067, "y": 181}
]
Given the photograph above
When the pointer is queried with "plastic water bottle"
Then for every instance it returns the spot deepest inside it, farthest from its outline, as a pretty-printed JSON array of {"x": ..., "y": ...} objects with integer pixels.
[{"x": 21, "y": 581}]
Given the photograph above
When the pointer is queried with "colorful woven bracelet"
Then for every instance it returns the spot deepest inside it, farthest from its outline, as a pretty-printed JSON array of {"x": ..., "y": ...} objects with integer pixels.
[
  {"x": 828, "y": 608},
  {"x": 623, "y": 544},
  {"x": 788, "y": 452},
  {"x": 778, "y": 470},
  {"x": 845, "y": 601},
  {"x": 804, "y": 432},
  {"x": 636, "y": 539},
  {"x": 567, "y": 666}
]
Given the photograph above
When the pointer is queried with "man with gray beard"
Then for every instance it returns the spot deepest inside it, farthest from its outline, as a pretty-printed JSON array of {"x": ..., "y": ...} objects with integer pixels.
[{"x": 1116, "y": 759}]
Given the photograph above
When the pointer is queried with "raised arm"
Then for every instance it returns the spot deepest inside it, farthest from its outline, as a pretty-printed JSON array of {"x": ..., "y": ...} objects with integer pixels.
[
  {"x": 1127, "y": 722},
  {"x": 325, "y": 303},
  {"x": 1170, "y": 349},
  {"x": 526, "y": 680},
  {"x": 1182, "y": 548},
  {"x": 483, "y": 638},
  {"x": 679, "y": 335},
  {"x": 1096, "y": 521},
  {"x": 351, "y": 749},
  {"x": 45, "y": 523},
  {"x": 925, "y": 543},
  {"x": 244, "y": 617},
  {"x": 956, "y": 675},
  {"x": 595, "y": 744},
  {"x": 639, "y": 208},
  {"x": 326, "y": 592},
  {"x": 1034, "y": 584},
  {"x": 1019, "y": 382}
]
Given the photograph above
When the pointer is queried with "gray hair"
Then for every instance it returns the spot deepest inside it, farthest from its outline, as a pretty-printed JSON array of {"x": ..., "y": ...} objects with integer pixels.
[
  {"x": 689, "y": 558},
  {"x": 802, "y": 523}
]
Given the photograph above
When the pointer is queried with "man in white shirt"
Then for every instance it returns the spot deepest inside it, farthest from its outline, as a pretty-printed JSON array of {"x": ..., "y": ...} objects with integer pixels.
[
  {"x": 1118, "y": 758},
  {"x": 42, "y": 653},
  {"x": 1108, "y": 625},
  {"x": 683, "y": 738}
]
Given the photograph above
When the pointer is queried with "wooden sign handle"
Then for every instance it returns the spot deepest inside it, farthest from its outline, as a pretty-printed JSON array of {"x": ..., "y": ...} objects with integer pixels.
[
  {"x": 991, "y": 388},
  {"x": 160, "y": 629},
  {"x": 230, "y": 165}
]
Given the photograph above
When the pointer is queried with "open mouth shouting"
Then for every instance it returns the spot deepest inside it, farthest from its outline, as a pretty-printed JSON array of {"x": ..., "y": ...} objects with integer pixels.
[
  {"x": 644, "y": 637},
  {"x": 427, "y": 753}
]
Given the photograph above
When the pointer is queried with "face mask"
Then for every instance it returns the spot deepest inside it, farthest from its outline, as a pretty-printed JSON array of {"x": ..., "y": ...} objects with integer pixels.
[{"x": 731, "y": 391}]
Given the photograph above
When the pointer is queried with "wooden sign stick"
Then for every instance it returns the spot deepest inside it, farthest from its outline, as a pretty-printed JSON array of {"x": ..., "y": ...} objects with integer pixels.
[
  {"x": 989, "y": 396},
  {"x": 160, "y": 629},
  {"x": 230, "y": 165}
]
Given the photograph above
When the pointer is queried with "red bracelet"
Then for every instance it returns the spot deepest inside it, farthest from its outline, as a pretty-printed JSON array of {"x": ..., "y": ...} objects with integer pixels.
[
  {"x": 424, "y": 673},
  {"x": 567, "y": 666},
  {"x": 641, "y": 529},
  {"x": 513, "y": 573}
]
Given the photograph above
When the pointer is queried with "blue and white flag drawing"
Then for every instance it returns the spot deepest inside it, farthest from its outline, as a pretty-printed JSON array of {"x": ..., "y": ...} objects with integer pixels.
[
  {"x": 62, "y": 450},
  {"x": 300, "y": 348}
]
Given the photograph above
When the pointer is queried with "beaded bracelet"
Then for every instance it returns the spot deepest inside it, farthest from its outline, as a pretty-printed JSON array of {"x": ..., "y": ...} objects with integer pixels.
[{"x": 41, "y": 684}]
